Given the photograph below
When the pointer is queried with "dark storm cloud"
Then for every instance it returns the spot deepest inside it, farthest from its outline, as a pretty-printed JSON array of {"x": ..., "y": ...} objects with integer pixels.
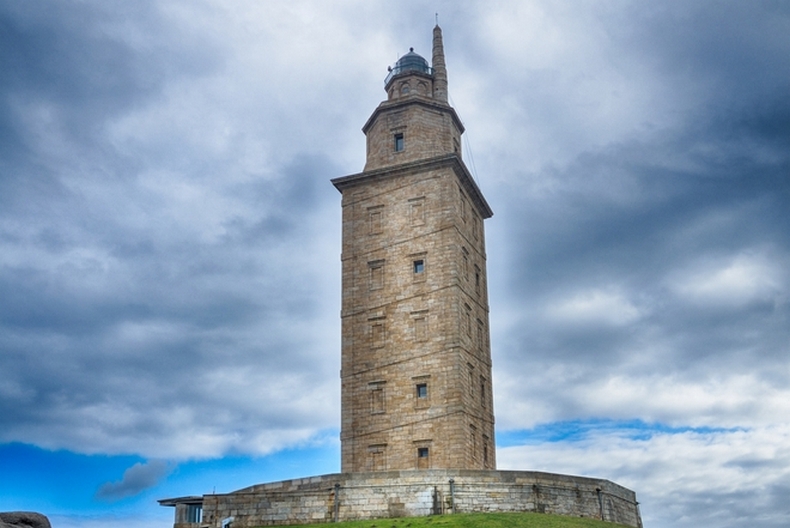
[
  {"x": 137, "y": 289},
  {"x": 617, "y": 258},
  {"x": 628, "y": 320},
  {"x": 71, "y": 66},
  {"x": 646, "y": 272},
  {"x": 738, "y": 48},
  {"x": 173, "y": 324}
]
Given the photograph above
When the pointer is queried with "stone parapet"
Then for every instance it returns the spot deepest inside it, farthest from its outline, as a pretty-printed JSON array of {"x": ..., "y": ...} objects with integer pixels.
[{"x": 354, "y": 496}]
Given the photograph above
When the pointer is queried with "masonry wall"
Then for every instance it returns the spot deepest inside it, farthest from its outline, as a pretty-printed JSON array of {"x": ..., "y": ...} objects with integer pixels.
[
  {"x": 420, "y": 493},
  {"x": 428, "y": 130},
  {"x": 402, "y": 329}
]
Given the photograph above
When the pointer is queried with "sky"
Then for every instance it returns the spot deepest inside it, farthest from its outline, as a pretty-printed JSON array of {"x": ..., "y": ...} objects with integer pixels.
[{"x": 170, "y": 243}]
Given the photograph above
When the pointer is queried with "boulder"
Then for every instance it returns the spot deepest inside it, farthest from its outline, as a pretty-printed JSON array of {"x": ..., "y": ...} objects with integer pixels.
[{"x": 23, "y": 520}]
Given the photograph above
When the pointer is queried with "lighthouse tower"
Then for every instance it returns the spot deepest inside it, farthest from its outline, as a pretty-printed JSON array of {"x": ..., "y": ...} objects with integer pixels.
[{"x": 416, "y": 357}]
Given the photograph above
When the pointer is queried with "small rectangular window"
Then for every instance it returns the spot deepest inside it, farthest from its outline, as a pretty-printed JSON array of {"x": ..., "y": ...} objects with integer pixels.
[
  {"x": 419, "y": 266},
  {"x": 423, "y": 458},
  {"x": 421, "y": 328},
  {"x": 421, "y": 392},
  {"x": 194, "y": 513},
  {"x": 377, "y": 334},
  {"x": 417, "y": 211},
  {"x": 377, "y": 457},
  {"x": 377, "y": 398},
  {"x": 376, "y": 274},
  {"x": 374, "y": 220},
  {"x": 398, "y": 142}
]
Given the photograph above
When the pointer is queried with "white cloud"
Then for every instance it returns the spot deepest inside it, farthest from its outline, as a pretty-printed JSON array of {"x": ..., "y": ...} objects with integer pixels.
[
  {"x": 746, "y": 277},
  {"x": 727, "y": 400},
  {"x": 693, "y": 478},
  {"x": 606, "y": 306}
]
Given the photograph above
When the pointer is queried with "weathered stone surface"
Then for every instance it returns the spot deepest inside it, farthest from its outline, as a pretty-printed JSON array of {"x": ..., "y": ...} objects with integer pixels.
[
  {"x": 22, "y": 519},
  {"x": 416, "y": 359},
  {"x": 422, "y": 492}
]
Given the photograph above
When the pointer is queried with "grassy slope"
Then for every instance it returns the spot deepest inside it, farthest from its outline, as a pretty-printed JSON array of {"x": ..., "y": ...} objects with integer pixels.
[{"x": 474, "y": 520}]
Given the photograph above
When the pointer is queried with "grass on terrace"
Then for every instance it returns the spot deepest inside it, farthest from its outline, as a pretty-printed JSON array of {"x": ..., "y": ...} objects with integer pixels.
[{"x": 474, "y": 520}]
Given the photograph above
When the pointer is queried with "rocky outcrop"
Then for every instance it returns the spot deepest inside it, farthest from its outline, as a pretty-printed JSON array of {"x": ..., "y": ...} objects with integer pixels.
[{"x": 23, "y": 520}]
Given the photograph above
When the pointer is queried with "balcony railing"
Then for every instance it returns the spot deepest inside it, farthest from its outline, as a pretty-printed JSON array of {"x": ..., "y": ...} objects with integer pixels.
[{"x": 397, "y": 70}]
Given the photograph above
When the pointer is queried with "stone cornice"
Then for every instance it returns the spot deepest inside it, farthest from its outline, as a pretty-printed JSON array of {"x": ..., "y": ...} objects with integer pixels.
[
  {"x": 450, "y": 160},
  {"x": 388, "y": 106}
]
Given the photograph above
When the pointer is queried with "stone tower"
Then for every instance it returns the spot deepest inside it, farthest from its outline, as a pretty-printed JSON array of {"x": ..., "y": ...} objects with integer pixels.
[{"x": 416, "y": 358}]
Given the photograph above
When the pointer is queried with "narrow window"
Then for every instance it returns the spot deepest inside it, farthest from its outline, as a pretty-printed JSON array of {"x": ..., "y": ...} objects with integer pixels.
[
  {"x": 417, "y": 211},
  {"x": 468, "y": 319},
  {"x": 377, "y": 457},
  {"x": 418, "y": 267},
  {"x": 398, "y": 142},
  {"x": 377, "y": 398},
  {"x": 485, "y": 451},
  {"x": 465, "y": 263},
  {"x": 376, "y": 274},
  {"x": 377, "y": 401},
  {"x": 476, "y": 229},
  {"x": 463, "y": 204},
  {"x": 482, "y": 391},
  {"x": 480, "y": 335},
  {"x": 377, "y": 334},
  {"x": 477, "y": 279},
  {"x": 423, "y": 458},
  {"x": 420, "y": 327},
  {"x": 194, "y": 513},
  {"x": 422, "y": 396},
  {"x": 473, "y": 440},
  {"x": 374, "y": 220}
]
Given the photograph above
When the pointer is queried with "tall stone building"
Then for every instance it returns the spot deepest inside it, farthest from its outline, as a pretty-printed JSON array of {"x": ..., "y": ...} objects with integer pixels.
[
  {"x": 417, "y": 435},
  {"x": 416, "y": 358}
]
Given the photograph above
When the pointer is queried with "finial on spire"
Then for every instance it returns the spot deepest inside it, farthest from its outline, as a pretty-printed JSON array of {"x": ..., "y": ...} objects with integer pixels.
[{"x": 437, "y": 18}]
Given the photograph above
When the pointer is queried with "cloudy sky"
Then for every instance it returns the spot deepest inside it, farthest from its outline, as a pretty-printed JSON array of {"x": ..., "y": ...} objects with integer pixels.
[{"x": 169, "y": 243}]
